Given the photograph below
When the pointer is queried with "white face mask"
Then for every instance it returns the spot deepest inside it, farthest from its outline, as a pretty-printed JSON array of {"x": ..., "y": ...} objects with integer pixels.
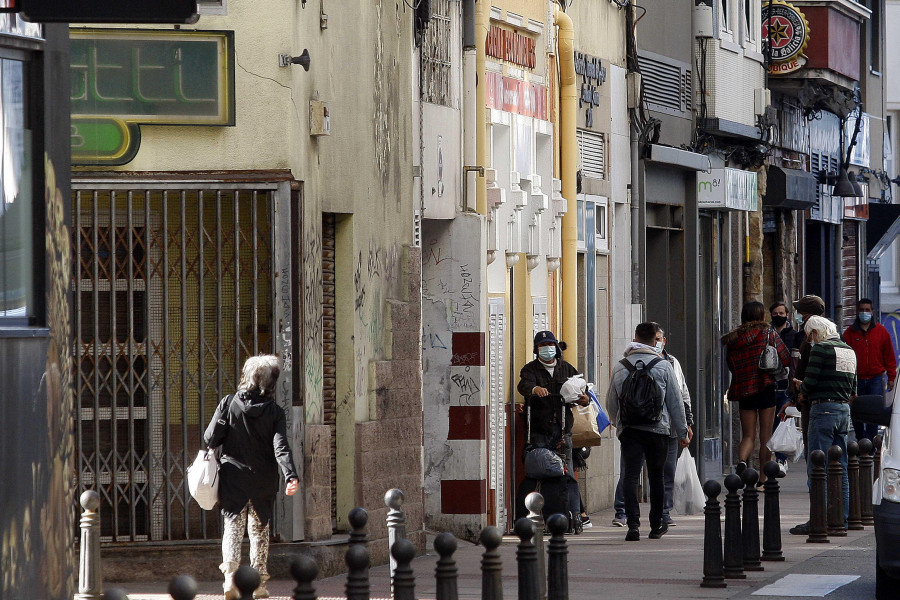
[
  {"x": 547, "y": 352},
  {"x": 659, "y": 347}
]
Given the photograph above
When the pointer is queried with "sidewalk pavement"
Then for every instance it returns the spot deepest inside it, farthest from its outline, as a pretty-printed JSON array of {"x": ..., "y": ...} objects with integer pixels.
[{"x": 602, "y": 564}]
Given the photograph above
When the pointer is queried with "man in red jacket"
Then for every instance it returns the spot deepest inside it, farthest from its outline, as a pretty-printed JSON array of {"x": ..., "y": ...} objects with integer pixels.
[{"x": 875, "y": 358}]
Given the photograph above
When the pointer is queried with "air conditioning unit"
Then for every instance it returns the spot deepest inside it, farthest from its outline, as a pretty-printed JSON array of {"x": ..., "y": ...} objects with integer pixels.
[
  {"x": 703, "y": 19},
  {"x": 762, "y": 99}
]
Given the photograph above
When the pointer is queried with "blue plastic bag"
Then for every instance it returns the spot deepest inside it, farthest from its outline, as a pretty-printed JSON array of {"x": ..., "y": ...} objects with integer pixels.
[{"x": 602, "y": 417}]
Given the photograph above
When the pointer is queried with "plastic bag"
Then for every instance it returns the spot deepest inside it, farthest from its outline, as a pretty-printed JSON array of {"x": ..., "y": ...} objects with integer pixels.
[
  {"x": 203, "y": 479},
  {"x": 787, "y": 439},
  {"x": 543, "y": 463},
  {"x": 586, "y": 422},
  {"x": 573, "y": 388},
  {"x": 687, "y": 492}
]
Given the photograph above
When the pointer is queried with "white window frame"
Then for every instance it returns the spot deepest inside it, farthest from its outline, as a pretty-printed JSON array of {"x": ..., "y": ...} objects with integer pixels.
[
  {"x": 725, "y": 19},
  {"x": 212, "y": 7},
  {"x": 601, "y": 224}
]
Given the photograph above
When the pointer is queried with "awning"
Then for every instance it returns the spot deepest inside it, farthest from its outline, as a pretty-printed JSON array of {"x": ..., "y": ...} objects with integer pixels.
[
  {"x": 792, "y": 189},
  {"x": 882, "y": 228}
]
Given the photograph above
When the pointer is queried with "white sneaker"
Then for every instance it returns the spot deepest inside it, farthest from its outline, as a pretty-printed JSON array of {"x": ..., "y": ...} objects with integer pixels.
[{"x": 783, "y": 467}]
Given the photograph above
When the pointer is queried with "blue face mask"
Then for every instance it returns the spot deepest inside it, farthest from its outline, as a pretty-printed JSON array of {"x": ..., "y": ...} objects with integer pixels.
[
  {"x": 864, "y": 317},
  {"x": 798, "y": 317},
  {"x": 547, "y": 352}
]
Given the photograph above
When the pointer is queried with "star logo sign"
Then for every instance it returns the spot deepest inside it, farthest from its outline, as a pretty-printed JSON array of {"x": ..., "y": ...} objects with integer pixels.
[{"x": 779, "y": 31}]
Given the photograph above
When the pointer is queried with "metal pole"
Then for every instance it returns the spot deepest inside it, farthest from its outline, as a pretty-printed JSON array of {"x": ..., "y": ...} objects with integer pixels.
[
  {"x": 534, "y": 502},
  {"x": 835, "y": 493},
  {"x": 446, "y": 573},
  {"x": 734, "y": 548},
  {"x": 404, "y": 582},
  {"x": 771, "y": 515},
  {"x": 491, "y": 565},
  {"x": 750, "y": 522},
  {"x": 558, "y": 576},
  {"x": 304, "y": 570},
  {"x": 854, "y": 521},
  {"x": 90, "y": 579},
  {"x": 526, "y": 557},
  {"x": 818, "y": 527},
  {"x": 713, "y": 576},
  {"x": 396, "y": 523}
]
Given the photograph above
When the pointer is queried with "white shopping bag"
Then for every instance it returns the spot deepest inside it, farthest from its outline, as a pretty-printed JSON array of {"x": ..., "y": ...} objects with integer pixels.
[
  {"x": 573, "y": 388},
  {"x": 687, "y": 492},
  {"x": 787, "y": 439},
  {"x": 203, "y": 479}
]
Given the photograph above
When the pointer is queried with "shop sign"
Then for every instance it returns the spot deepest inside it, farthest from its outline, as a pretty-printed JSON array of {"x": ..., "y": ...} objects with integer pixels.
[
  {"x": 593, "y": 75},
  {"x": 511, "y": 46},
  {"x": 731, "y": 189},
  {"x": 124, "y": 78},
  {"x": 516, "y": 96},
  {"x": 861, "y": 153},
  {"x": 786, "y": 30}
]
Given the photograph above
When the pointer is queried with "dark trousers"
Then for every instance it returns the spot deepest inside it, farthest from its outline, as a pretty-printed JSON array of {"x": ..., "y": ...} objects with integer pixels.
[{"x": 638, "y": 446}]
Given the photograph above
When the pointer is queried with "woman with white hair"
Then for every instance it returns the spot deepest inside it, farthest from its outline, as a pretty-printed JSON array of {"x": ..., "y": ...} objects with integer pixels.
[
  {"x": 829, "y": 383},
  {"x": 251, "y": 429}
]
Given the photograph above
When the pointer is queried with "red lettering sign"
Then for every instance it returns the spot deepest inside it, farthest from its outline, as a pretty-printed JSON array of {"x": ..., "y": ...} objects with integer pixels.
[
  {"x": 516, "y": 96},
  {"x": 510, "y": 46}
]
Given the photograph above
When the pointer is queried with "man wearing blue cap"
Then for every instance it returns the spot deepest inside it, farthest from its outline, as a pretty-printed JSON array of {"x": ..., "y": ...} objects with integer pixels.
[{"x": 539, "y": 383}]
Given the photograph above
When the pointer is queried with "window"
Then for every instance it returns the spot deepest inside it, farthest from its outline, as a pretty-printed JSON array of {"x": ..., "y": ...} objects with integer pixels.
[
  {"x": 874, "y": 30},
  {"x": 751, "y": 23},
  {"x": 601, "y": 224},
  {"x": 17, "y": 256},
  {"x": 725, "y": 18}
]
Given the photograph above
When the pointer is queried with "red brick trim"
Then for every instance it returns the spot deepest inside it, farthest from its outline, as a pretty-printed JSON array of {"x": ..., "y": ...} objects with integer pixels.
[
  {"x": 464, "y": 496},
  {"x": 468, "y": 349},
  {"x": 467, "y": 423}
]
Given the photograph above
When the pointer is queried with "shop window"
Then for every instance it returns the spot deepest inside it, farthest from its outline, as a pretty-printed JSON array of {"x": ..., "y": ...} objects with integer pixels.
[{"x": 17, "y": 243}]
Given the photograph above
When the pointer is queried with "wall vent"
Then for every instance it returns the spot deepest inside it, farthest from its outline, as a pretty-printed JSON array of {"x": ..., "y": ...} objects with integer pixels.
[
  {"x": 592, "y": 153},
  {"x": 667, "y": 84}
]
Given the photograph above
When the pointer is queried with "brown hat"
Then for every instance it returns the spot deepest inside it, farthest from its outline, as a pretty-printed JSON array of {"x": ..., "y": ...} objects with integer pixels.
[{"x": 810, "y": 304}]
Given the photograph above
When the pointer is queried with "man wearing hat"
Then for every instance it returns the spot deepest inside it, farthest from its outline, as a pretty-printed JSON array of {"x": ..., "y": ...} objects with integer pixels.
[{"x": 539, "y": 383}]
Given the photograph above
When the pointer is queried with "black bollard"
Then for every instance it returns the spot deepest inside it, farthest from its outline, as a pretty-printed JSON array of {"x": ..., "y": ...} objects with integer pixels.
[
  {"x": 558, "y": 559},
  {"x": 526, "y": 557},
  {"x": 358, "y": 518},
  {"x": 304, "y": 570},
  {"x": 404, "y": 582},
  {"x": 818, "y": 526},
  {"x": 734, "y": 547},
  {"x": 712, "y": 538},
  {"x": 876, "y": 460},
  {"x": 771, "y": 514},
  {"x": 246, "y": 580},
  {"x": 357, "y": 559},
  {"x": 854, "y": 521},
  {"x": 866, "y": 482},
  {"x": 184, "y": 587},
  {"x": 491, "y": 564},
  {"x": 750, "y": 522},
  {"x": 835, "y": 493},
  {"x": 445, "y": 573}
]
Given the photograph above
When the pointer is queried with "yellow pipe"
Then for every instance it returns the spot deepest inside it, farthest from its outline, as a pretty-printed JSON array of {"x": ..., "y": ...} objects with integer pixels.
[
  {"x": 482, "y": 25},
  {"x": 568, "y": 105}
]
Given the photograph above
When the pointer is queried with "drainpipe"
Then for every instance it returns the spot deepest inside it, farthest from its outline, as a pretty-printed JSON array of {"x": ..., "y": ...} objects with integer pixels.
[
  {"x": 470, "y": 116},
  {"x": 482, "y": 25},
  {"x": 568, "y": 105}
]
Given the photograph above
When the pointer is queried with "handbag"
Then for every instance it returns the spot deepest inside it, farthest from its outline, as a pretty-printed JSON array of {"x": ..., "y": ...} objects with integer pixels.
[
  {"x": 769, "y": 361},
  {"x": 203, "y": 479}
]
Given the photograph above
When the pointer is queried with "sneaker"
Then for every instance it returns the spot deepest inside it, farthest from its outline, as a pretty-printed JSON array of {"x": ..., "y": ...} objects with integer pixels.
[
  {"x": 782, "y": 468},
  {"x": 802, "y": 529},
  {"x": 655, "y": 534},
  {"x": 586, "y": 522},
  {"x": 740, "y": 468},
  {"x": 633, "y": 535},
  {"x": 669, "y": 522},
  {"x": 619, "y": 521},
  {"x": 578, "y": 525}
]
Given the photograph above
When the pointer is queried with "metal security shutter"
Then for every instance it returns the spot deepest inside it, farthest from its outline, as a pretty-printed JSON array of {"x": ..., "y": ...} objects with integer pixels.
[
  {"x": 849, "y": 272},
  {"x": 497, "y": 408},
  {"x": 329, "y": 348},
  {"x": 592, "y": 153},
  {"x": 667, "y": 84}
]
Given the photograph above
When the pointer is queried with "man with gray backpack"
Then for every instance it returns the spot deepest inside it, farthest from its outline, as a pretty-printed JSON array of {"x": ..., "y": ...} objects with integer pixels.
[{"x": 645, "y": 403}]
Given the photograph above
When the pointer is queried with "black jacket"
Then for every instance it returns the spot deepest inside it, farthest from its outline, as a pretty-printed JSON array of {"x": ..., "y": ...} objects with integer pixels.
[
  {"x": 255, "y": 446},
  {"x": 546, "y": 412}
]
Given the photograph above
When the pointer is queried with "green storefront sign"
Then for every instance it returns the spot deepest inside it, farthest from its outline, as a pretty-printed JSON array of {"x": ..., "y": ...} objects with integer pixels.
[{"x": 122, "y": 78}]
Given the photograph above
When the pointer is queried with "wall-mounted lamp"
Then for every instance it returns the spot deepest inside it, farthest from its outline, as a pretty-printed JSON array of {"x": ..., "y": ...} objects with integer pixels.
[
  {"x": 285, "y": 60},
  {"x": 844, "y": 185},
  {"x": 896, "y": 180}
]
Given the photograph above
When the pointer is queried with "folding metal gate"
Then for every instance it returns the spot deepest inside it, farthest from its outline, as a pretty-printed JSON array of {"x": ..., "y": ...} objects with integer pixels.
[{"x": 173, "y": 289}]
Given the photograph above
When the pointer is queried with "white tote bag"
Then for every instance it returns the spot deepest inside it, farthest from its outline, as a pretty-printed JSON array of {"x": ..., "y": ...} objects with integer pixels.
[
  {"x": 687, "y": 492},
  {"x": 203, "y": 479}
]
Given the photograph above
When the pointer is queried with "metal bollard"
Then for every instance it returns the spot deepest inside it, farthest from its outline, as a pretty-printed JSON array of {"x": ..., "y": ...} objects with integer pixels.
[
  {"x": 558, "y": 575},
  {"x": 734, "y": 547},
  {"x": 866, "y": 482},
  {"x": 445, "y": 573},
  {"x": 396, "y": 521},
  {"x": 854, "y": 521},
  {"x": 357, "y": 559},
  {"x": 491, "y": 564},
  {"x": 876, "y": 443},
  {"x": 818, "y": 526},
  {"x": 771, "y": 514},
  {"x": 90, "y": 580},
  {"x": 835, "y": 493},
  {"x": 712, "y": 538},
  {"x": 358, "y": 518},
  {"x": 404, "y": 581},
  {"x": 183, "y": 587},
  {"x": 526, "y": 558},
  {"x": 304, "y": 570},
  {"x": 534, "y": 502},
  {"x": 750, "y": 522},
  {"x": 246, "y": 580}
]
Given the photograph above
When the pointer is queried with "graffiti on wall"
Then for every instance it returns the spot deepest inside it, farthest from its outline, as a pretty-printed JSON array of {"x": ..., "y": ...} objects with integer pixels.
[
  {"x": 375, "y": 277},
  {"x": 312, "y": 321}
]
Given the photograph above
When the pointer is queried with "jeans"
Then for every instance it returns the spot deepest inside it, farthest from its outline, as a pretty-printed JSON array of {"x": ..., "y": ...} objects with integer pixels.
[
  {"x": 829, "y": 424},
  {"x": 868, "y": 387},
  {"x": 638, "y": 446},
  {"x": 669, "y": 477},
  {"x": 782, "y": 398}
]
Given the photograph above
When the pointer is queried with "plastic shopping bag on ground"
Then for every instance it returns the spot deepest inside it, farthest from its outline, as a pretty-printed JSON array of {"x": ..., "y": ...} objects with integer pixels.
[
  {"x": 687, "y": 492},
  {"x": 203, "y": 479},
  {"x": 787, "y": 439},
  {"x": 573, "y": 388}
]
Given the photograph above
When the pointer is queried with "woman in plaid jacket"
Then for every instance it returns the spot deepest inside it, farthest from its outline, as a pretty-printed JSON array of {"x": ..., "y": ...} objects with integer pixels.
[{"x": 753, "y": 390}]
